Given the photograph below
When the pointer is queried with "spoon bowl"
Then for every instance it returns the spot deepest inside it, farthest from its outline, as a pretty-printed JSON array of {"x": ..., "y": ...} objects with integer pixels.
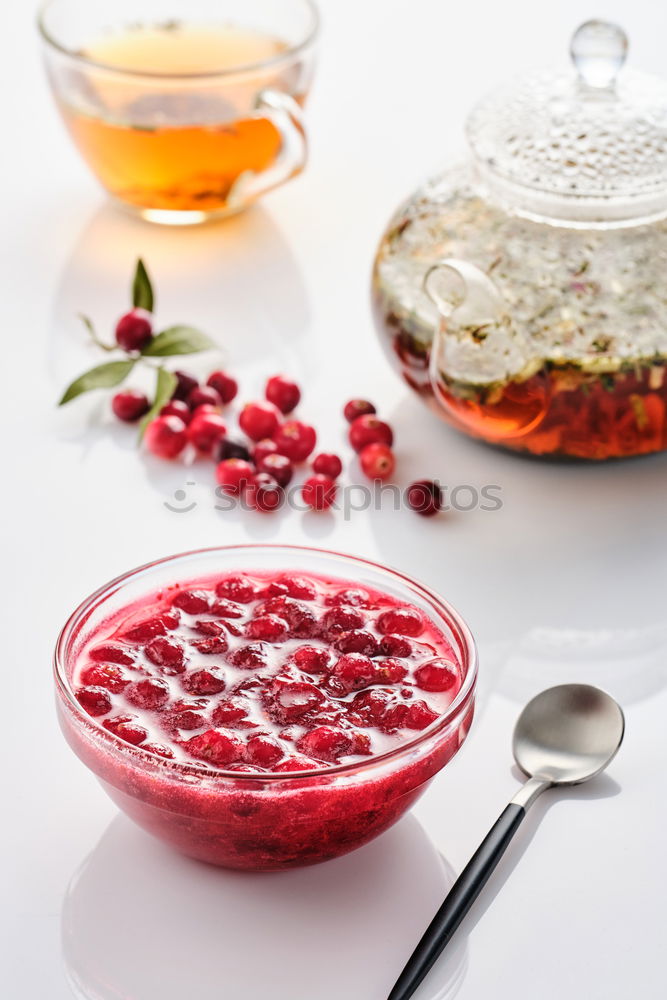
[{"x": 568, "y": 734}]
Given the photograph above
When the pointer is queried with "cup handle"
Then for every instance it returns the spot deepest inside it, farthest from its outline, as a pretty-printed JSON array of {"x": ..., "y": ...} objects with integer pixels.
[
  {"x": 464, "y": 293},
  {"x": 287, "y": 117}
]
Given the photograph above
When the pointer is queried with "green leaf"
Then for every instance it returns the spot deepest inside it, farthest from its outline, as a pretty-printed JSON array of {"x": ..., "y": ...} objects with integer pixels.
[
  {"x": 178, "y": 340},
  {"x": 142, "y": 290},
  {"x": 164, "y": 389},
  {"x": 102, "y": 377}
]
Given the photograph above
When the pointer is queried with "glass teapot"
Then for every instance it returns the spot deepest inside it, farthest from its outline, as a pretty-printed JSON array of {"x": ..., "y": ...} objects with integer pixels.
[{"x": 524, "y": 294}]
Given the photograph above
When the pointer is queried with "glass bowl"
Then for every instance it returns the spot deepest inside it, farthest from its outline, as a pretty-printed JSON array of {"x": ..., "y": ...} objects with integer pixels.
[{"x": 262, "y": 822}]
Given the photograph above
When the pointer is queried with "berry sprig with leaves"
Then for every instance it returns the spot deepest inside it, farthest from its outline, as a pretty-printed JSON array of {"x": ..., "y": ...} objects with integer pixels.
[{"x": 140, "y": 345}]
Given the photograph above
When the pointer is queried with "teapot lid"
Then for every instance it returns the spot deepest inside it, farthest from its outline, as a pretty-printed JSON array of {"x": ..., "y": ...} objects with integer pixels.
[{"x": 588, "y": 146}]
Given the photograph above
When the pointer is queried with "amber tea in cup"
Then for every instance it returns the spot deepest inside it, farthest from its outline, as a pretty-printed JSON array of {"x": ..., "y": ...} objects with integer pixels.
[{"x": 184, "y": 111}]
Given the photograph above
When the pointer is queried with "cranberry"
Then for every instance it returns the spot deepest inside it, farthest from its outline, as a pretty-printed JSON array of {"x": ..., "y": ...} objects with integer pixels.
[
  {"x": 95, "y": 700},
  {"x": 327, "y": 465},
  {"x": 357, "y": 641},
  {"x": 209, "y": 628},
  {"x": 231, "y": 712},
  {"x": 126, "y": 728},
  {"x": 268, "y": 627},
  {"x": 204, "y": 681},
  {"x": 299, "y": 587},
  {"x": 203, "y": 395},
  {"x": 437, "y": 675},
  {"x": 111, "y": 652},
  {"x": 361, "y": 743},
  {"x": 267, "y": 446},
  {"x": 134, "y": 330},
  {"x": 293, "y": 764},
  {"x": 205, "y": 430},
  {"x": 300, "y": 618},
  {"x": 214, "y": 748},
  {"x": 250, "y": 657},
  {"x": 233, "y": 475},
  {"x": 325, "y": 743},
  {"x": 294, "y": 699},
  {"x": 193, "y": 602},
  {"x": 166, "y": 653},
  {"x": 419, "y": 716},
  {"x": 358, "y": 408},
  {"x": 263, "y": 493},
  {"x": 283, "y": 393},
  {"x": 104, "y": 675},
  {"x": 263, "y": 752},
  {"x": 319, "y": 492},
  {"x": 166, "y": 437},
  {"x": 259, "y": 420},
  {"x": 312, "y": 660},
  {"x": 227, "y": 448},
  {"x": 395, "y": 645},
  {"x": 403, "y": 621},
  {"x": 342, "y": 619},
  {"x": 377, "y": 461},
  {"x": 354, "y": 596},
  {"x": 369, "y": 430},
  {"x": 185, "y": 719},
  {"x": 150, "y": 693},
  {"x": 368, "y": 708},
  {"x": 130, "y": 405},
  {"x": 147, "y": 629},
  {"x": 159, "y": 750},
  {"x": 355, "y": 671},
  {"x": 390, "y": 671},
  {"x": 277, "y": 466},
  {"x": 176, "y": 408},
  {"x": 224, "y": 385},
  {"x": 185, "y": 383},
  {"x": 295, "y": 439},
  {"x": 425, "y": 497},
  {"x": 227, "y": 609},
  {"x": 237, "y": 588}
]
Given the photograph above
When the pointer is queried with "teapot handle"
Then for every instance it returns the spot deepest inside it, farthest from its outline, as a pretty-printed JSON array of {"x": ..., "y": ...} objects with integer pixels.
[{"x": 464, "y": 293}]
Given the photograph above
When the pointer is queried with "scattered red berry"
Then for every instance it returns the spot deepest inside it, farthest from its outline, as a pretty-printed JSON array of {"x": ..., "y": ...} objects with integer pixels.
[
  {"x": 264, "y": 493},
  {"x": 224, "y": 385},
  {"x": 319, "y": 492},
  {"x": 185, "y": 383},
  {"x": 204, "y": 395},
  {"x": 367, "y": 430},
  {"x": 166, "y": 437},
  {"x": 259, "y": 420},
  {"x": 377, "y": 461},
  {"x": 267, "y": 446},
  {"x": 205, "y": 430},
  {"x": 295, "y": 439},
  {"x": 130, "y": 405},
  {"x": 283, "y": 393},
  {"x": 328, "y": 465},
  {"x": 134, "y": 330},
  {"x": 177, "y": 408},
  {"x": 425, "y": 497},
  {"x": 233, "y": 475},
  {"x": 358, "y": 408},
  {"x": 278, "y": 466}
]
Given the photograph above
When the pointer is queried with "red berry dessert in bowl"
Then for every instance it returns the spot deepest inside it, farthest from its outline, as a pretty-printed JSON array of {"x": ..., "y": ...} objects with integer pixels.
[{"x": 264, "y": 706}]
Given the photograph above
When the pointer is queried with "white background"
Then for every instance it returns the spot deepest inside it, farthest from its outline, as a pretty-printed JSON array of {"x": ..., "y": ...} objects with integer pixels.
[{"x": 566, "y": 582}]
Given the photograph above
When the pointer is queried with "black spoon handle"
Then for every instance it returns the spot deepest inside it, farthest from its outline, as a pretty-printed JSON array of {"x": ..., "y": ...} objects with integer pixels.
[{"x": 461, "y": 896}]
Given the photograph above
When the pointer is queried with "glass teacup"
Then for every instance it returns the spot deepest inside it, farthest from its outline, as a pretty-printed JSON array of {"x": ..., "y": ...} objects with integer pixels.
[{"x": 184, "y": 109}]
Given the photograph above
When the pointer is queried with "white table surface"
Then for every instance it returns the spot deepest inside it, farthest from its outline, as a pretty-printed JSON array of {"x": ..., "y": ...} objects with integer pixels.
[{"x": 566, "y": 582}]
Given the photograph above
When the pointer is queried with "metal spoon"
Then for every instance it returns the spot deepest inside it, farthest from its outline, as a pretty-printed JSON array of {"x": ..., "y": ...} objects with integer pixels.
[{"x": 564, "y": 736}]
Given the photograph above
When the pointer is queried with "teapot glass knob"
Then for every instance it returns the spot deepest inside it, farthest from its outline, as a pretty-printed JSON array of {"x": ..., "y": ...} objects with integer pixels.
[{"x": 599, "y": 50}]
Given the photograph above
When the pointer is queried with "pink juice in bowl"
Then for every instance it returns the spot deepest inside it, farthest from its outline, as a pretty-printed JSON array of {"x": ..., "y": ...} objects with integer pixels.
[{"x": 263, "y": 706}]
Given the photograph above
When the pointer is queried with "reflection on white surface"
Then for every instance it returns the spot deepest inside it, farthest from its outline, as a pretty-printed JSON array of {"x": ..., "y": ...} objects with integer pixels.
[
  {"x": 631, "y": 664},
  {"x": 140, "y": 922},
  {"x": 238, "y": 280}
]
